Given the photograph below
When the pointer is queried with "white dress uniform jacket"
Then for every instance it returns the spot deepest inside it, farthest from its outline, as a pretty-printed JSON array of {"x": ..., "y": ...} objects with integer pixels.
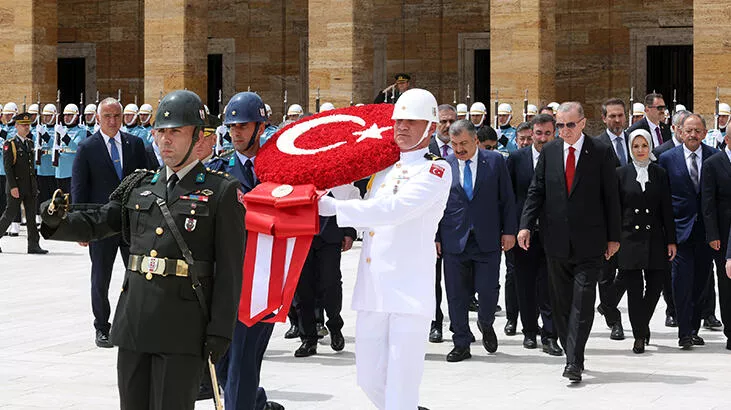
[{"x": 400, "y": 216}]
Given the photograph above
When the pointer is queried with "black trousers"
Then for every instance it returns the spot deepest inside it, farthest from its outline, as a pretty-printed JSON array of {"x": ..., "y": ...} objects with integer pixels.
[
  {"x": 724, "y": 289},
  {"x": 46, "y": 187},
  {"x": 12, "y": 213},
  {"x": 531, "y": 275},
  {"x": 4, "y": 202},
  {"x": 667, "y": 295},
  {"x": 642, "y": 296},
  {"x": 438, "y": 314},
  {"x": 610, "y": 292},
  {"x": 512, "y": 306},
  {"x": 103, "y": 253},
  {"x": 573, "y": 292},
  {"x": 157, "y": 381},
  {"x": 709, "y": 302},
  {"x": 690, "y": 276},
  {"x": 320, "y": 276}
]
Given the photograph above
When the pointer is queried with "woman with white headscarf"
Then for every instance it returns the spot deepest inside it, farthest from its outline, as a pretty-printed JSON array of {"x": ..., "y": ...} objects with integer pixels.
[{"x": 647, "y": 244}]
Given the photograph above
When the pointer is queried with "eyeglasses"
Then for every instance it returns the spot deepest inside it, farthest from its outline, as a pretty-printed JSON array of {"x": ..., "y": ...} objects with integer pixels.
[
  {"x": 658, "y": 107},
  {"x": 490, "y": 147},
  {"x": 569, "y": 125}
]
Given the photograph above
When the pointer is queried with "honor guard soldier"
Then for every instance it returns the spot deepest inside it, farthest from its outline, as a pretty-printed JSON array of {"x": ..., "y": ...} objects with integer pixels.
[
  {"x": 46, "y": 171},
  {"x": 90, "y": 119},
  {"x": 505, "y": 131},
  {"x": 145, "y": 129},
  {"x": 71, "y": 136},
  {"x": 532, "y": 112},
  {"x": 21, "y": 180},
  {"x": 270, "y": 128},
  {"x": 7, "y": 131},
  {"x": 179, "y": 298},
  {"x": 478, "y": 112},
  {"x": 724, "y": 113},
  {"x": 294, "y": 113},
  {"x": 462, "y": 111},
  {"x": 638, "y": 112},
  {"x": 129, "y": 117},
  {"x": 33, "y": 110},
  {"x": 392, "y": 93}
]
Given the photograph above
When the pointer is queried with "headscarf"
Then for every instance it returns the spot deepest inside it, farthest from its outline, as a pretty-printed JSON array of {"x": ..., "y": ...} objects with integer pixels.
[{"x": 641, "y": 166}]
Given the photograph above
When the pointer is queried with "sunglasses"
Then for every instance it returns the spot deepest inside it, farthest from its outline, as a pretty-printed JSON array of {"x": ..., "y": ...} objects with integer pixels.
[
  {"x": 491, "y": 147},
  {"x": 569, "y": 125},
  {"x": 658, "y": 107}
]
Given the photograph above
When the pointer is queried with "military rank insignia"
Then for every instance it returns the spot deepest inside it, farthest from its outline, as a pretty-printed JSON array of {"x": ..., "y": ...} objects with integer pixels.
[
  {"x": 200, "y": 178},
  {"x": 155, "y": 178},
  {"x": 190, "y": 224}
]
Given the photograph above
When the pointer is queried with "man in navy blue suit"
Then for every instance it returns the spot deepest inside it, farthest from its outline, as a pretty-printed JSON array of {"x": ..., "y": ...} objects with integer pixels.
[
  {"x": 478, "y": 224},
  {"x": 531, "y": 269},
  {"x": 102, "y": 162},
  {"x": 693, "y": 262}
]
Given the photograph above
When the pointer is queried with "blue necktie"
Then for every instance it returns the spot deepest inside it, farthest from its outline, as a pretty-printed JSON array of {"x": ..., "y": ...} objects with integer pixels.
[
  {"x": 115, "y": 158},
  {"x": 467, "y": 184},
  {"x": 619, "y": 145}
]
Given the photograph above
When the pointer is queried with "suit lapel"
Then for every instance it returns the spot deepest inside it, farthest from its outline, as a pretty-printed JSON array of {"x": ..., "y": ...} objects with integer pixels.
[
  {"x": 683, "y": 167},
  {"x": 481, "y": 170},
  {"x": 528, "y": 168},
  {"x": 126, "y": 155},
  {"x": 456, "y": 180},
  {"x": 105, "y": 150}
]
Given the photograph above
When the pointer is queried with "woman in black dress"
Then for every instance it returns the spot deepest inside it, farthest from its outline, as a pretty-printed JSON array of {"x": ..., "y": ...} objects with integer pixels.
[{"x": 648, "y": 234}]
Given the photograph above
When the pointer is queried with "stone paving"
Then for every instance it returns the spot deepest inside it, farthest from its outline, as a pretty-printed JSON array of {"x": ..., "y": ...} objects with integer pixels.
[{"x": 48, "y": 359}]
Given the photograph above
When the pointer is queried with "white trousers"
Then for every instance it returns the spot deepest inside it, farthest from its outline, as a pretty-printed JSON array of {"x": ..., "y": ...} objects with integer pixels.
[{"x": 389, "y": 357}]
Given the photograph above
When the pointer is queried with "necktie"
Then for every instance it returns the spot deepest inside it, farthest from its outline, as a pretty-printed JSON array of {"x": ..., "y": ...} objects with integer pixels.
[
  {"x": 248, "y": 173},
  {"x": 619, "y": 147},
  {"x": 115, "y": 158},
  {"x": 570, "y": 169},
  {"x": 445, "y": 151},
  {"x": 694, "y": 171},
  {"x": 171, "y": 184},
  {"x": 467, "y": 184},
  {"x": 659, "y": 136}
]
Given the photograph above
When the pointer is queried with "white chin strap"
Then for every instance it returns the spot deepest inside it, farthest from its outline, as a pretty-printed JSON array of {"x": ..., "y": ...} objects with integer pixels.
[
  {"x": 129, "y": 124},
  {"x": 424, "y": 135},
  {"x": 510, "y": 117},
  {"x": 73, "y": 120}
]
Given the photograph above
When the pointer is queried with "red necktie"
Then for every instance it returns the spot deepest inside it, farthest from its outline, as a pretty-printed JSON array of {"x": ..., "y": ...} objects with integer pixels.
[{"x": 570, "y": 169}]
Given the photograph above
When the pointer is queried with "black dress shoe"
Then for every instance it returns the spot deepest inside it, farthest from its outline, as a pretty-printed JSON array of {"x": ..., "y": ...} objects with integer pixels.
[
  {"x": 697, "y": 340},
  {"x": 321, "y": 330},
  {"x": 306, "y": 349},
  {"x": 510, "y": 328},
  {"x": 292, "y": 333},
  {"x": 13, "y": 234},
  {"x": 498, "y": 308},
  {"x": 474, "y": 306},
  {"x": 572, "y": 372},
  {"x": 421, "y": 408},
  {"x": 639, "y": 346},
  {"x": 458, "y": 354},
  {"x": 435, "y": 335},
  {"x": 489, "y": 340},
  {"x": 617, "y": 332},
  {"x": 728, "y": 344},
  {"x": 102, "y": 339},
  {"x": 337, "y": 341},
  {"x": 670, "y": 321},
  {"x": 711, "y": 323},
  {"x": 37, "y": 250},
  {"x": 552, "y": 348},
  {"x": 529, "y": 342},
  {"x": 272, "y": 405},
  {"x": 685, "y": 342}
]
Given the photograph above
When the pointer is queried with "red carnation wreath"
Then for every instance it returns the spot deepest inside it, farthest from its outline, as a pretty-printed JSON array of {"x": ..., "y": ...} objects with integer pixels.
[{"x": 331, "y": 148}]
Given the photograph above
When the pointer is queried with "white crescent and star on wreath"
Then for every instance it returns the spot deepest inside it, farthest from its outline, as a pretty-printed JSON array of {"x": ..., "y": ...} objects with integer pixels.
[{"x": 286, "y": 141}]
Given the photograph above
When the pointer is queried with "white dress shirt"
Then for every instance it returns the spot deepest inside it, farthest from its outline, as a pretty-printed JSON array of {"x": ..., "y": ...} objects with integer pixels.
[
  {"x": 118, "y": 141},
  {"x": 698, "y": 159},
  {"x": 536, "y": 154},
  {"x": 243, "y": 159},
  {"x": 473, "y": 168},
  {"x": 653, "y": 127},
  {"x": 440, "y": 144},
  {"x": 577, "y": 153},
  {"x": 614, "y": 137}
]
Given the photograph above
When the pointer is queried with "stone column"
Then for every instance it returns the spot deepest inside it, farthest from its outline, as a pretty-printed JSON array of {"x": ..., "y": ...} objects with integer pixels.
[
  {"x": 29, "y": 33},
  {"x": 711, "y": 55},
  {"x": 340, "y": 51},
  {"x": 176, "y": 47},
  {"x": 522, "y": 52}
]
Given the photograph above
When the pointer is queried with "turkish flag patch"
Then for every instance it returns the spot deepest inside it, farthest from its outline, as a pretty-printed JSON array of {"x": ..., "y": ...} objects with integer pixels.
[
  {"x": 436, "y": 170},
  {"x": 331, "y": 148}
]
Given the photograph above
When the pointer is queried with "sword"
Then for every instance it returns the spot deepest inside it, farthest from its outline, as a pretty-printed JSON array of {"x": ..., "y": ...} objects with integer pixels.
[{"x": 214, "y": 382}]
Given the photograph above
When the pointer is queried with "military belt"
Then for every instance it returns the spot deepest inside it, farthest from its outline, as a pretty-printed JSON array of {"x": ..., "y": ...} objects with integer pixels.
[{"x": 149, "y": 266}]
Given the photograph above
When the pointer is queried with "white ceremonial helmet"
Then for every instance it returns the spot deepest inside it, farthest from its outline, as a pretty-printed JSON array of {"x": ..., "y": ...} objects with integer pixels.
[
  {"x": 478, "y": 108},
  {"x": 295, "y": 109},
  {"x": 504, "y": 109},
  {"x": 145, "y": 109},
  {"x": 10, "y": 108},
  {"x": 70, "y": 109},
  {"x": 33, "y": 109},
  {"x": 416, "y": 104},
  {"x": 532, "y": 109},
  {"x": 90, "y": 109},
  {"x": 327, "y": 107},
  {"x": 131, "y": 108},
  {"x": 680, "y": 107},
  {"x": 49, "y": 109},
  {"x": 554, "y": 106},
  {"x": 462, "y": 109},
  {"x": 724, "y": 109},
  {"x": 638, "y": 109}
]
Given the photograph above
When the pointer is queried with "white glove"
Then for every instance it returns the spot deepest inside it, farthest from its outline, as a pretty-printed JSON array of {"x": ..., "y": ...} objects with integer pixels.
[
  {"x": 60, "y": 130},
  {"x": 347, "y": 191},
  {"x": 327, "y": 206}
]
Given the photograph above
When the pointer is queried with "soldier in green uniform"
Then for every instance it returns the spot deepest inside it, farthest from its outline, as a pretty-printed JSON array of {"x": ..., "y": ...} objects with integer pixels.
[
  {"x": 185, "y": 227},
  {"x": 21, "y": 186}
]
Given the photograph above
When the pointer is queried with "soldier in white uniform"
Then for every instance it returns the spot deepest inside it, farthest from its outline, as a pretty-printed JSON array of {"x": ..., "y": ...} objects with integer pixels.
[{"x": 394, "y": 290}]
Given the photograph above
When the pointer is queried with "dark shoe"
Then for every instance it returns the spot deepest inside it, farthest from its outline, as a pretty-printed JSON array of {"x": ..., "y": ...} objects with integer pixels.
[
  {"x": 529, "y": 342},
  {"x": 572, "y": 372},
  {"x": 205, "y": 391},
  {"x": 639, "y": 346},
  {"x": 473, "y": 339},
  {"x": 670, "y": 321},
  {"x": 685, "y": 342},
  {"x": 489, "y": 340},
  {"x": 321, "y": 330},
  {"x": 458, "y": 354},
  {"x": 647, "y": 338},
  {"x": 617, "y": 332},
  {"x": 498, "y": 308},
  {"x": 552, "y": 348},
  {"x": 602, "y": 311},
  {"x": 510, "y": 328},
  {"x": 728, "y": 344},
  {"x": 697, "y": 340},
  {"x": 337, "y": 341},
  {"x": 307, "y": 349},
  {"x": 13, "y": 234},
  {"x": 37, "y": 250},
  {"x": 293, "y": 332},
  {"x": 474, "y": 306},
  {"x": 102, "y": 339},
  {"x": 435, "y": 335},
  {"x": 711, "y": 323},
  {"x": 421, "y": 408},
  {"x": 272, "y": 405}
]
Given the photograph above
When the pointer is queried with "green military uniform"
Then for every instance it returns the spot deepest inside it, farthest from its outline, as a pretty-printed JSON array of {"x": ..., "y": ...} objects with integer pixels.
[
  {"x": 170, "y": 310},
  {"x": 21, "y": 173}
]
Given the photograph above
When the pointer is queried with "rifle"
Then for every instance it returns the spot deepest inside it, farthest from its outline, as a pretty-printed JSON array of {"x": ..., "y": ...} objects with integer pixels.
[
  {"x": 716, "y": 115},
  {"x": 675, "y": 103},
  {"x": 525, "y": 107},
  {"x": 317, "y": 100},
  {"x": 284, "y": 110},
  {"x": 454, "y": 97},
  {"x": 631, "y": 104},
  {"x": 24, "y": 110},
  {"x": 81, "y": 110},
  {"x": 119, "y": 95},
  {"x": 159, "y": 98},
  {"x": 497, "y": 103},
  {"x": 97, "y": 98},
  {"x": 467, "y": 98},
  {"x": 220, "y": 103},
  {"x": 351, "y": 100},
  {"x": 37, "y": 150},
  {"x": 135, "y": 99},
  {"x": 56, "y": 136}
]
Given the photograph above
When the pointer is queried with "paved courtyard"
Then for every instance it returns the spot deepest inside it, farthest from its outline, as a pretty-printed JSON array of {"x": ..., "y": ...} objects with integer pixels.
[{"x": 48, "y": 359}]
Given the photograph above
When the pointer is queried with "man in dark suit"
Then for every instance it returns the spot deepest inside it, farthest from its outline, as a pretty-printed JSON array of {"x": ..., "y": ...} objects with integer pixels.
[
  {"x": 716, "y": 205},
  {"x": 439, "y": 146},
  {"x": 691, "y": 266},
  {"x": 531, "y": 271},
  {"x": 611, "y": 291},
  {"x": 478, "y": 224},
  {"x": 102, "y": 162},
  {"x": 574, "y": 174},
  {"x": 152, "y": 155},
  {"x": 654, "y": 121}
]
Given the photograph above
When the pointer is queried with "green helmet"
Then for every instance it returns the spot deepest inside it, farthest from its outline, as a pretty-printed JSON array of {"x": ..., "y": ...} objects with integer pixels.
[{"x": 180, "y": 108}]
